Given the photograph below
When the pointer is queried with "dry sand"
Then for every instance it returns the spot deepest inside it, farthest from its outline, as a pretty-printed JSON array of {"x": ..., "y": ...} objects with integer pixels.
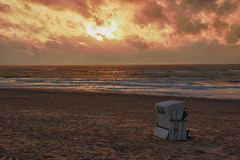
[{"x": 62, "y": 125}]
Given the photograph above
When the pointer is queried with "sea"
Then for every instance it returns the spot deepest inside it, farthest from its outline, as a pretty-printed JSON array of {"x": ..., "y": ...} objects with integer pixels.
[{"x": 208, "y": 81}]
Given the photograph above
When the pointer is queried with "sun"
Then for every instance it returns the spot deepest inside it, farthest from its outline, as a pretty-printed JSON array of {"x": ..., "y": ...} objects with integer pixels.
[{"x": 102, "y": 32}]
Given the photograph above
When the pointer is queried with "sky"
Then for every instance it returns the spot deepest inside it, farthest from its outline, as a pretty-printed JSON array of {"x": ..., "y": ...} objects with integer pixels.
[{"x": 40, "y": 32}]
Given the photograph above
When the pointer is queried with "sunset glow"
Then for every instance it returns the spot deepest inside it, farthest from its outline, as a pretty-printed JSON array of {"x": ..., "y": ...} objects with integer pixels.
[
  {"x": 102, "y": 32},
  {"x": 83, "y": 29}
]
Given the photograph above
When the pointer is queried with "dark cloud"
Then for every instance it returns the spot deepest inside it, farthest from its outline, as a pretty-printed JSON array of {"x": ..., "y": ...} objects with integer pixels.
[
  {"x": 150, "y": 12},
  {"x": 171, "y": 13},
  {"x": 186, "y": 25},
  {"x": 5, "y": 8},
  {"x": 183, "y": 14},
  {"x": 228, "y": 7},
  {"x": 186, "y": 11},
  {"x": 233, "y": 36},
  {"x": 224, "y": 8},
  {"x": 220, "y": 25},
  {"x": 198, "y": 5},
  {"x": 137, "y": 42}
]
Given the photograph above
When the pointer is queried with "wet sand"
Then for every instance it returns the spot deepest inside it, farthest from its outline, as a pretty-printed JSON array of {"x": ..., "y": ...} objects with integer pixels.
[{"x": 38, "y": 124}]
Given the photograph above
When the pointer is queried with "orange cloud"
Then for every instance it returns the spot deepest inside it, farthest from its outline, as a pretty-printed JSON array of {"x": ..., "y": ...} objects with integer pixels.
[
  {"x": 111, "y": 27},
  {"x": 85, "y": 8},
  {"x": 4, "y": 8}
]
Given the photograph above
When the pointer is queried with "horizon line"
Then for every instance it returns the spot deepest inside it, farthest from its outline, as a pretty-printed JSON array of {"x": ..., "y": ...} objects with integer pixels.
[{"x": 119, "y": 64}]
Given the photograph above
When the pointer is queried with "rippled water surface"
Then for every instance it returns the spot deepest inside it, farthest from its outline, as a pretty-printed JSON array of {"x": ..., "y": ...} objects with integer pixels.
[{"x": 214, "y": 81}]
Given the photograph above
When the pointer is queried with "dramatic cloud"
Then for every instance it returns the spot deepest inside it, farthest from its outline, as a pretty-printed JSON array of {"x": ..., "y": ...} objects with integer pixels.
[
  {"x": 228, "y": 7},
  {"x": 185, "y": 24},
  {"x": 85, "y": 8},
  {"x": 137, "y": 42},
  {"x": 220, "y": 25},
  {"x": 84, "y": 29},
  {"x": 234, "y": 35},
  {"x": 199, "y": 5},
  {"x": 150, "y": 12}
]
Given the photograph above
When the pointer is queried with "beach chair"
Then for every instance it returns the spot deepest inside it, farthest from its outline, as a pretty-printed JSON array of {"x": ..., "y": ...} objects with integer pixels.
[{"x": 171, "y": 120}]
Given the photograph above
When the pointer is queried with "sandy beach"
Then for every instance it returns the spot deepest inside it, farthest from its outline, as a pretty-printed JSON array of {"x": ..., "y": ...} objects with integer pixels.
[{"x": 40, "y": 124}]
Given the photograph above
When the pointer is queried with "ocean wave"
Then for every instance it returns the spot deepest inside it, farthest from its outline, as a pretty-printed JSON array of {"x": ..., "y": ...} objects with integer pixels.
[{"x": 218, "y": 81}]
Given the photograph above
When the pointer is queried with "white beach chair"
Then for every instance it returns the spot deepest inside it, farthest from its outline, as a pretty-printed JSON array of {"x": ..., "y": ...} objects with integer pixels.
[{"x": 171, "y": 120}]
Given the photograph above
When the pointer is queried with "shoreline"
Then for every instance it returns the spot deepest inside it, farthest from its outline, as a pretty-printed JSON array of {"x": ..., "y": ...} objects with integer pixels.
[
  {"x": 52, "y": 124},
  {"x": 72, "y": 91}
]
